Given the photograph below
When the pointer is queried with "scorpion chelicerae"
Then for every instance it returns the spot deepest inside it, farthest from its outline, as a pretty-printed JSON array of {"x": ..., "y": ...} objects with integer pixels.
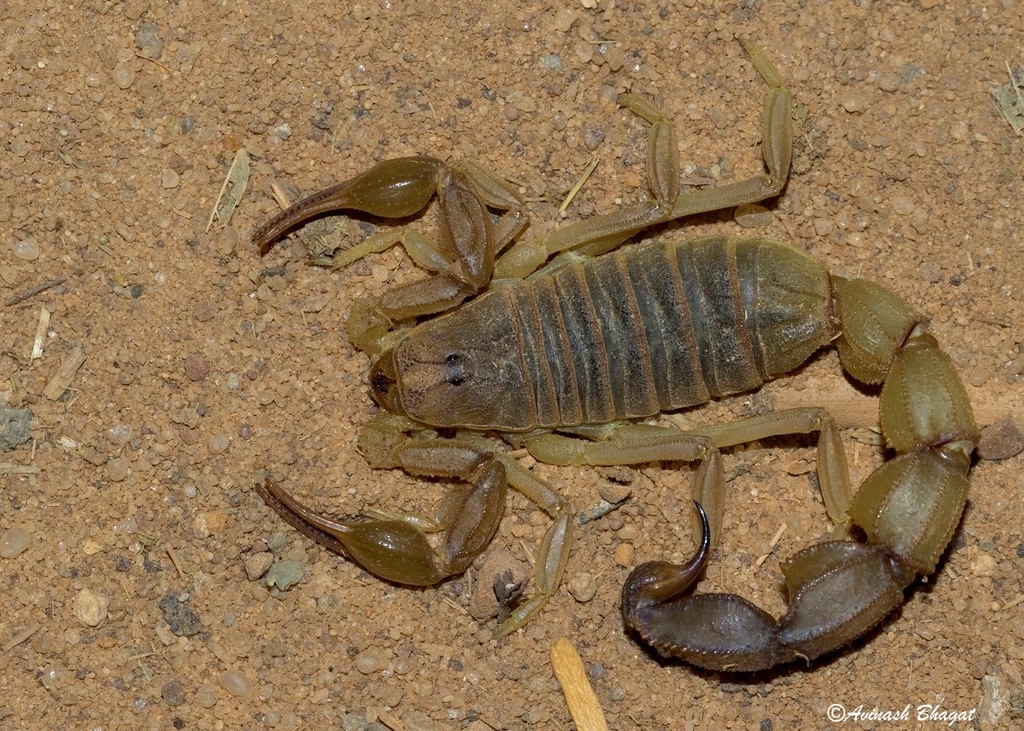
[{"x": 590, "y": 340}]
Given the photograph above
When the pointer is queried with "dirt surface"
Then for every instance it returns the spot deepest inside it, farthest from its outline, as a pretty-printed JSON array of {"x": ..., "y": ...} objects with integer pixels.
[{"x": 138, "y": 602}]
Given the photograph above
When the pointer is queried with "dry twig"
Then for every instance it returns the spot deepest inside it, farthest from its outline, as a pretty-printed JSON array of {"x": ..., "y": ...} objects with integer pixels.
[{"x": 579, "y": 695}]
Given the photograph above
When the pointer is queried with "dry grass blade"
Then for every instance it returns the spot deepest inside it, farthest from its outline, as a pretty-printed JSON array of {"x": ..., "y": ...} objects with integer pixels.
[
  {"x": 21, "y": 636},
  {"x": 37, "y": 344},
  {"x": 232, "y": 190},
  {"x": 579, "y": 184},
  {"x": 579, "y": 695},
  {"x": 15, "y": 299},
  {"x": 10, "y": 468}
]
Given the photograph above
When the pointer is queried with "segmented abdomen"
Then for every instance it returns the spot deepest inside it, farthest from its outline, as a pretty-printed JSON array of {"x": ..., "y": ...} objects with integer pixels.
[{"x": 664, "y": 326}]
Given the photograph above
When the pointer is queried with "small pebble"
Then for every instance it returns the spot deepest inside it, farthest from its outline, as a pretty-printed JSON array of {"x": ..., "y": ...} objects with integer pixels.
[
  {"x": 258, "y": 564},
  {"x": 14, "y": 542},
  {"x": 925, "y": 633},
  {"x": 417, "y": 720},
  {"x": 117, "y": 469},
  {"x": 169, "y": 178},
  {"x": 822, "y": 226},
  {"x": 50, "y": 678},
  {"x": 284, "y": 575},
  {"x": 583, "y": 587},
  {"x": 127, "y": 526},
  {"x": 173, "y": 693},
  {"x": 1001, "y": 440},
  {"x": 209, "y": 523},
  {"x": 164, "y": 634},
  {"x": 752, "y": 215},
  {"x": 392, "y": 696},
  {"x": 853, "y": 103},
  {"x": 235, "y": 682},
  {"x": 220, "y": 443},
  {"x": 197, "y": 367},
  {"x": 903, "y": 206},
  {"x": 584, "y": 51},
  {"x": 984, "y": 565},
  {"x": 206, "y": 310},
  {"x": 179, "y": 615},
  {"x": 614, "y": 492},
  {"x": 624, "y": 555},
  {"x": 499, "y": 574},
  {"x": 593, "y": 137},
  {"x": 227, "y": 243},
  {"x": 372, "y": 660},
  {"x": 615, "y": 58},
  {"x": 564, "y": 19},
  {"x": 123, "y": 76},
  {"x": 207, "y": 696},
  {"x": 27, "y": 249},
  {"x": 91, "y": 607},
  {"x": 889, "y": 82},
  {"x": 120, "y": 434},
  {"x": 148, "y": 39},
  {"x": 552, "y": 62},
  {"x": 979, "y": 376}
]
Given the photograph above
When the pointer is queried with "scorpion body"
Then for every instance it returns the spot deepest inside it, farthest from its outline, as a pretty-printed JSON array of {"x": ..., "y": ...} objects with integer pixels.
[
  {"x": 628, "y": 335},
  {"x": 567, "y": 358}
]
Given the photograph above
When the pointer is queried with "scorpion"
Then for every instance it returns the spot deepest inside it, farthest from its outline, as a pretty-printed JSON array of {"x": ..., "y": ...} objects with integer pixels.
[{"x": 588, "y": 341}]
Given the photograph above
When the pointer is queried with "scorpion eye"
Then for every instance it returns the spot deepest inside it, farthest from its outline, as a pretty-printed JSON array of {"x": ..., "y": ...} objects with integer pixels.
[
  {"x": 456, "y": 373},
  {"x": 380, "y": 384},
  {"x": 383, "y": 379}
]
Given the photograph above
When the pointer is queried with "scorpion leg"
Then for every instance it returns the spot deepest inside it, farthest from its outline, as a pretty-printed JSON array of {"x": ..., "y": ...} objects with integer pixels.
[
  {"x": 640, "y": 443},
  {"x": 603, "y": 233},
  {"x": 554, "y": 548},
  {"x": 833, "y": 470}
]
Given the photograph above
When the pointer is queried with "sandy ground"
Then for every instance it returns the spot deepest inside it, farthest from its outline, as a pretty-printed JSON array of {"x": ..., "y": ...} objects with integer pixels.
[{"x": 134, "y": 600}]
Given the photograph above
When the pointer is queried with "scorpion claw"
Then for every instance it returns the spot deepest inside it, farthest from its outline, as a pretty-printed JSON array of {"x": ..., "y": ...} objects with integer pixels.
[{"x": 392, "y": 549}]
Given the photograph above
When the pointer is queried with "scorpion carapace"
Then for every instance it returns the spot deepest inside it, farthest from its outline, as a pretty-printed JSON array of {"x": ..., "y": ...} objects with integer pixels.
[{"x": 598, "y": 339}]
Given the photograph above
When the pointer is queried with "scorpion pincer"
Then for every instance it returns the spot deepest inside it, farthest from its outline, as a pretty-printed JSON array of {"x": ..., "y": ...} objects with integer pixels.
[{"x": 566, "y": 360}]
